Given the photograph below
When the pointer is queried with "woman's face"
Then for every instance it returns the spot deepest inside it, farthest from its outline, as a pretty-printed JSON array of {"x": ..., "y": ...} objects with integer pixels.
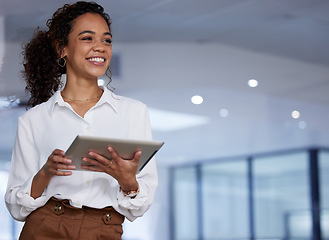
[{"x": 89, "y": 48}]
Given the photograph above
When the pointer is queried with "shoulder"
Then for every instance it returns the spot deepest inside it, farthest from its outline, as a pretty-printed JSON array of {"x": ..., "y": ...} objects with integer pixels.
[
  {"x": 121, "y": 103},
  {"x": 126, "y": 101},
  {"x": 42, "y": 110},
  {"x": 130, "y": 107},
  {"x": 34, "y": 113}
]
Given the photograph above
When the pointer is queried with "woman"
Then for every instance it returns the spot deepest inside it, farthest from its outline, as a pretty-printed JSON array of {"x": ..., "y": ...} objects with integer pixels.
[{"x": 43, "y": 189}]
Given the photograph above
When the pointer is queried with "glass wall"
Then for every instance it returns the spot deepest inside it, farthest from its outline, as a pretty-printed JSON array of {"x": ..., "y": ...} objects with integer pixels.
[
  {"x": 324, "y": 192},
  {"x": 185, "y": 204},
  {"x": 225, "y": 200},
  {"x": 9, "y": 228},
  {"x": 5, "y": 220},
  {"x": 256, "y": 197},
  {"x": 281, "y": 197}
]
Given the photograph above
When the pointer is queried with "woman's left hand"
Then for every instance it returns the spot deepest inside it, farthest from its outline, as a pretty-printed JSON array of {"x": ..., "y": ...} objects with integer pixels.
[{"x": 123, "y": 170}]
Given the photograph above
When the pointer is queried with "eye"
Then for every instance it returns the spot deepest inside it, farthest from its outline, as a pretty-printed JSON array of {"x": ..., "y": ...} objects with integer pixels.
[
  {"x": 108, "y": 40},
  {"x": 87, "y": 38}
]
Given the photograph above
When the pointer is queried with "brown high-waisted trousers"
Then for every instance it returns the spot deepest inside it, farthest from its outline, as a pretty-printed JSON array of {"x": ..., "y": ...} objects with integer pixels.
[{"x": 58, "y": 220}]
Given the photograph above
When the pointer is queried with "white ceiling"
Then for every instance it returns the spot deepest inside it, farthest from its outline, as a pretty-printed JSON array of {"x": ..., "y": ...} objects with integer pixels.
[{"x": 294, "y": 30}]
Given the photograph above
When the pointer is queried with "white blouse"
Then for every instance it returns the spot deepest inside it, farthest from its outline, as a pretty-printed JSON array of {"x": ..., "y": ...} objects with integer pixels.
[{"x": 54, "y": 124}]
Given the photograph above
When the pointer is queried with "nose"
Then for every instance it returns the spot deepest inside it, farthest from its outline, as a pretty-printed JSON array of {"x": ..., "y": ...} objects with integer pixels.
[{"x": 99, "y": 46}]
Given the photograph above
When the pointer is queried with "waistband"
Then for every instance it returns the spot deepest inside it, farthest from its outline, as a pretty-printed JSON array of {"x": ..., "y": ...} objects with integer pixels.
[{"x": 108, "y": 215}]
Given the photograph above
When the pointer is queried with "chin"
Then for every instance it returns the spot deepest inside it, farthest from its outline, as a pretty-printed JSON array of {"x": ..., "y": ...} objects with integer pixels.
[{"x": 97, "y": 74}]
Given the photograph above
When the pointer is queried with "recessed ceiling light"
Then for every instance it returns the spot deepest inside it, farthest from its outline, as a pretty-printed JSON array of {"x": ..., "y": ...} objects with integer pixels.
[
  {"x": 223, "y": 112},
  {"x": 253, "y": 83},
  {"x": 295, "y": 114},
  {"x": 197, "y": 99}
]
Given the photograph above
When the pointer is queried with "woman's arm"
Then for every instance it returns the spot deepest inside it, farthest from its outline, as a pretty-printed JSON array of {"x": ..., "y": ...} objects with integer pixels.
[
  {"x": 55, "y": 162},
  {"x": 27, "y": 182},
  {"x": 147, "y": 179}
]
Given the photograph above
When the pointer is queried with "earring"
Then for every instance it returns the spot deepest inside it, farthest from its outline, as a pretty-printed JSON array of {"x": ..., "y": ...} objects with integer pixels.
[{"x": 61, "y": 62}]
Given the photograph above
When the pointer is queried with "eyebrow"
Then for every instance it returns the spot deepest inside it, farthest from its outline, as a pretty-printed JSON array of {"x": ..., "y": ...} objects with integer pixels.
[{"x": 92, "y": 32}]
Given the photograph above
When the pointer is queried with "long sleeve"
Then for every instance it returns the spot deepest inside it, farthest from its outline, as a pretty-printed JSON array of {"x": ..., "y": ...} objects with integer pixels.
[
  {"x": 24, "y": 166},
  {"x": 147, "y": 179}
]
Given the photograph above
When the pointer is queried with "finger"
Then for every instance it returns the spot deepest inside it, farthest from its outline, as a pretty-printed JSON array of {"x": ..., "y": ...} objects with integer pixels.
[
  {"x": 60, "y": 169},
  {"x": 64, "y": 166},
  {"x": 57, "y": 168},
  {"x": 100, "y": 160},
  {"x": 63, "y": 173},
  {"x": 60, "y": 159},
  {"x": 113, "y": 153},
  {"x": 92, "y": 165},
  {"x": 138, "y": 154},
  {"x": 59, "y": 152},
  {"x": 92, "y": 168}
]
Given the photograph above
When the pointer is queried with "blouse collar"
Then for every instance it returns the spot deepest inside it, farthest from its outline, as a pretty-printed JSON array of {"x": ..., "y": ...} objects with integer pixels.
[{"x": 108, "y": 97}]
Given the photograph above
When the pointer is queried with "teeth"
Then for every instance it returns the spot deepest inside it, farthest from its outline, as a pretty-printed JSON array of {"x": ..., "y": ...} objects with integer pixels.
[{"x": 100, "y": 60}]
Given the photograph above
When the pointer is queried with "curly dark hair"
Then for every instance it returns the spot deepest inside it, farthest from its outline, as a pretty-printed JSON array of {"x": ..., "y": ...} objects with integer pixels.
[{"x": 42, "y": 72}]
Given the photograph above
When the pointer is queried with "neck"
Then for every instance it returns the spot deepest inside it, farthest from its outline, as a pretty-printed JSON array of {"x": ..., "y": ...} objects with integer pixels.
[{"x": 81, "y": 90}]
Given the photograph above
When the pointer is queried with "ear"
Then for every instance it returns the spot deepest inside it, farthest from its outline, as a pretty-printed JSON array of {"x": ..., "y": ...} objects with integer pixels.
[{"x": 61, "y": 51}]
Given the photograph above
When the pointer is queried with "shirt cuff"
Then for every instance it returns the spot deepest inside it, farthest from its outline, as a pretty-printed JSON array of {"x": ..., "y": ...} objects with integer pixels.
[
  {"x": 138, "y": 205},
  {"x": 24, "y": 204}
]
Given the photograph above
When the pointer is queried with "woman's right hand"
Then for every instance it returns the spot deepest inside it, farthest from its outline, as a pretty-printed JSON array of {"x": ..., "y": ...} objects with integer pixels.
[{"x": 57, "y": 162}]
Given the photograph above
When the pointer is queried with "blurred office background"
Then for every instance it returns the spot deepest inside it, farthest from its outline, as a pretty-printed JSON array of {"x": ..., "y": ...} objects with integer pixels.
[{"x": 242, "y": 159}]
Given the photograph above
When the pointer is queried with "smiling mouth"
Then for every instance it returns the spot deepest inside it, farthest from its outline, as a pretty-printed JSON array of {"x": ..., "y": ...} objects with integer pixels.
[{"x": 96, "y": 59}]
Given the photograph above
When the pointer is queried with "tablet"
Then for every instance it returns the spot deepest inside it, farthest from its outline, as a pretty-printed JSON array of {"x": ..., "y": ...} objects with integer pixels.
[{"x": 123, "y": 147}]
